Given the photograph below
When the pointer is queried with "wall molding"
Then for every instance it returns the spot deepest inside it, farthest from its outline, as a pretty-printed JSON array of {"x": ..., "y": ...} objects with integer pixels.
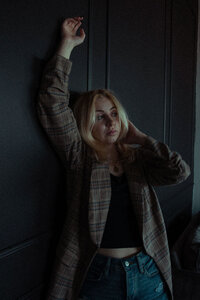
[
  {"x": 12, "y": 250},
  {"x": 196, "y": 189}
]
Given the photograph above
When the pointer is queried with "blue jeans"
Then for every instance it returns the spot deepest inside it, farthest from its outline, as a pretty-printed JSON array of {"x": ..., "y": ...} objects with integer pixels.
[{"x": 136, "y": 277}]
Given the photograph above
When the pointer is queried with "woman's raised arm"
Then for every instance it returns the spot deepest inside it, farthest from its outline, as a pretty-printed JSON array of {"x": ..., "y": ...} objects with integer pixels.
[
  {"x": 161, "y": 165},
  {"x": 55, "y": 116}
]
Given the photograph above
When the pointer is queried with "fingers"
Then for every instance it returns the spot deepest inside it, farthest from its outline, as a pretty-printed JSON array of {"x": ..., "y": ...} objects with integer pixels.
[
  {"x": 78, "y": 18},
  {"x": 72, "y": 20},
  {"x": 77, "y": 26},
  {"x": 74, "y": 23},
  {"x": 82, "y": 33},
  {"x": 70, "y": 27}
]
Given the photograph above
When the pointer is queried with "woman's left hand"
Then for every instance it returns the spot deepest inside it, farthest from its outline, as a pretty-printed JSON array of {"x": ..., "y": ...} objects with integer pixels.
[{"x": 134, "y": 135}]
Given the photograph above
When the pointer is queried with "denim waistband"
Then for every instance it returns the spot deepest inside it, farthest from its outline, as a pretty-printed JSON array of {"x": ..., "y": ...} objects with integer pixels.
[{"x": 141, "y": 257}]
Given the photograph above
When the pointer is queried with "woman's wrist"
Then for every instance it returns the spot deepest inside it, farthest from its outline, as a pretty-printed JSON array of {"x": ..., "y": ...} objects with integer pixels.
[{"x": 65, "y": 48}]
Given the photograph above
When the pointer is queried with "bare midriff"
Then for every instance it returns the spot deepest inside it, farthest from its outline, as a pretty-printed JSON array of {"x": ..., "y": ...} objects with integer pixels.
[{"x": 119, "y": 252}]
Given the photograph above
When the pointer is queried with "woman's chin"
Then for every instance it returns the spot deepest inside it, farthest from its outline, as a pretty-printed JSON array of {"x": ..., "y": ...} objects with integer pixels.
[{"x": 110, "y": 142}]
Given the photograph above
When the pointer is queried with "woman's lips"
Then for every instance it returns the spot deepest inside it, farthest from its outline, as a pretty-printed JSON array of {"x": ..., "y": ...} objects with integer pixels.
[{"x": 112, "y": 132}]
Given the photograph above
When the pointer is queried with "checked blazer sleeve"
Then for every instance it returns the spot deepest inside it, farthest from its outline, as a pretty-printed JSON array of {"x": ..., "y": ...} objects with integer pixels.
[
  {"x": 161, "y": 165},
  {"x": 55, "y": 116}
]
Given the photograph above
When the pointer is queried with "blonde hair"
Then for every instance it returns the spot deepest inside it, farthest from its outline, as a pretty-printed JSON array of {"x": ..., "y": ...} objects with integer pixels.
[{"x": 85, "y": 115}]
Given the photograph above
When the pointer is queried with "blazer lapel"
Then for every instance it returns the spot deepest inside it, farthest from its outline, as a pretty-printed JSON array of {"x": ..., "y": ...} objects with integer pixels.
[{"x": 99, "y": 201}]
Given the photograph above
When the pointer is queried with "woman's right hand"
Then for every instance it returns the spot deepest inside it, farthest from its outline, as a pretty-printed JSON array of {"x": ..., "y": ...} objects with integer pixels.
[{"x": 69, "y": 29}]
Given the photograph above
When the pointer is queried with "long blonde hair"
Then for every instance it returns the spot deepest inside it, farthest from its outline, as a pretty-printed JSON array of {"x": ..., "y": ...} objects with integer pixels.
[{"x": 85, "y": 115}]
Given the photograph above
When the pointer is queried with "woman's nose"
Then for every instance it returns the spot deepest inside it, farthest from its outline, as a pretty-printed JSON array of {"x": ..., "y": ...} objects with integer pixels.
[{"x": 109, "y": 121}]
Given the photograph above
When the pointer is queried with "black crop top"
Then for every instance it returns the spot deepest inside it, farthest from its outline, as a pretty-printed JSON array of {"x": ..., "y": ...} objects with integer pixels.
[{"x": 121, "y": 229}]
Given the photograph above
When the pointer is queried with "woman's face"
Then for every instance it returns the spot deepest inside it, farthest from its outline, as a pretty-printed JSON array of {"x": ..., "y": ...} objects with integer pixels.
[{"x": 107, "y": 126}]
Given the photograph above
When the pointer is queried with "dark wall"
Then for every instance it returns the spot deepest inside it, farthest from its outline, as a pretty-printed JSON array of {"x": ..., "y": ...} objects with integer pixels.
[{"x": 143, "y": 50}]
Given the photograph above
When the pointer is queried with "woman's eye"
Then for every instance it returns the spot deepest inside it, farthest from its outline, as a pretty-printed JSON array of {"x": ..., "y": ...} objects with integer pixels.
[
  {"x": 99, "y": 117},
  {"x": 114, "y": 114}
]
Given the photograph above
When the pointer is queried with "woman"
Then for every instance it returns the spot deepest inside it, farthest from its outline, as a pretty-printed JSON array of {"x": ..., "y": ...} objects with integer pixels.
[{"x": 114, "y": 243}]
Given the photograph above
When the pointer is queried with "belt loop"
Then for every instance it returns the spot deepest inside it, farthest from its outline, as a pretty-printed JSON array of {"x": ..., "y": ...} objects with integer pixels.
[{"x": 140, "y": 264}]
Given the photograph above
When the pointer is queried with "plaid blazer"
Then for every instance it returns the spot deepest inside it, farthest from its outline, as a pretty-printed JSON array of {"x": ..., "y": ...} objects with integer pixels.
[{"x": 88, "y": 182}]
